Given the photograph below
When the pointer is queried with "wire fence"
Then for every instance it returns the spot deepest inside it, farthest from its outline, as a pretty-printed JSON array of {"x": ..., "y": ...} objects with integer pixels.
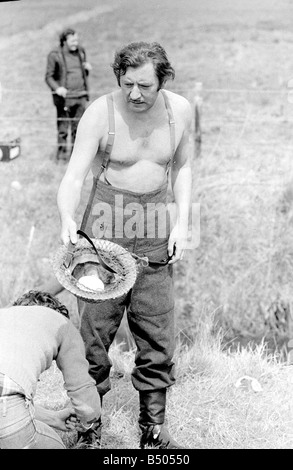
[
  {"x": 204, "y": 118},
  {"x": 272, "y": 91}
]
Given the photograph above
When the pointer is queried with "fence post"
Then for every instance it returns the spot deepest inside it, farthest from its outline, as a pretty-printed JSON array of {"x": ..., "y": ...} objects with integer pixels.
[{"x": 197, "y": 117}]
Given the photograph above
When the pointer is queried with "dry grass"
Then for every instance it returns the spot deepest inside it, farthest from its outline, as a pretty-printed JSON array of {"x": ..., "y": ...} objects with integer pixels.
[{"x": 205, "y": 409}]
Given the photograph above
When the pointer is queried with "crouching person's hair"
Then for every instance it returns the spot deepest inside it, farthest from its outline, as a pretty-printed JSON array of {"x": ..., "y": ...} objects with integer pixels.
[{"x": 43, "y": 299}]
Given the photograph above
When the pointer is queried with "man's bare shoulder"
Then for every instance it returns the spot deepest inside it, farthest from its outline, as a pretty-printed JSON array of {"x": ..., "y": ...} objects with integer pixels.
[
  {"x": 95, "y": 117},
  {"x": 97, "y": 106},
  {"x": 180, "y": 105},
  {"x": 177, "y": 99}
]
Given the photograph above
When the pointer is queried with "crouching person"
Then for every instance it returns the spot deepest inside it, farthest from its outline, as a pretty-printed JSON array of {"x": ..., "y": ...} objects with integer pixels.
[{"x": 33, "y": 332}]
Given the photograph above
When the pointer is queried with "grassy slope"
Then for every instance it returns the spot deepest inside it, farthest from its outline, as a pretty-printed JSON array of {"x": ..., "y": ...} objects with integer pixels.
[{"x": 244, "y": 258}]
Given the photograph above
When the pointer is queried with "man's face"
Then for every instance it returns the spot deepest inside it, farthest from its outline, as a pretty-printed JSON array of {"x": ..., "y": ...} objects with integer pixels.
[
  {"x": 139, "y": 87},
  {"x": 72, "y": 42}
]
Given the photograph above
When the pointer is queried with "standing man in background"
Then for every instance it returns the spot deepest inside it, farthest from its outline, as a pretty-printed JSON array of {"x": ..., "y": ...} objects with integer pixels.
[{"x": 67, "y": 77}]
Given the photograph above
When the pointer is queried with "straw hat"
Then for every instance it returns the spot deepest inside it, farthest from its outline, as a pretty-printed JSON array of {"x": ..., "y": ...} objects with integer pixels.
[{"x": 84, "y": 258}]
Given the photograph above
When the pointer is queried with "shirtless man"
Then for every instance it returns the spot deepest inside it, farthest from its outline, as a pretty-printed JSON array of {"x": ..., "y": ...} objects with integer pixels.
[{"x": 132, "y": 140}]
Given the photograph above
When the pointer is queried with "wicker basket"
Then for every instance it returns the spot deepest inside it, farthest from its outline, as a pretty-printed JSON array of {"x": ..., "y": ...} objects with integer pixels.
[{"x": 83, "y": 256}]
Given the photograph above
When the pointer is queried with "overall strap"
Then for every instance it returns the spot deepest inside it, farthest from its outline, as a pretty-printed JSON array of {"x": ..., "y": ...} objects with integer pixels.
[
  {"x": 111, "y": 136},
  {"x": 111, "y": 118},
  {"x": 171, "y": 123},
  {"x": 105, "y": 161}
]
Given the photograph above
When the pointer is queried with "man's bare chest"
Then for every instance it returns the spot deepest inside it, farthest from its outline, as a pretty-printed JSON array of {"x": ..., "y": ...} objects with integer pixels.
[{"x": 132, "y": 143}]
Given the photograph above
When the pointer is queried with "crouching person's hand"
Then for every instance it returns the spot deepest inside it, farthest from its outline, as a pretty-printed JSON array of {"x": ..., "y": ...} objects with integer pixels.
[
  {"x": 66, "y": 420},
  {"x": 63, "y": 420}
]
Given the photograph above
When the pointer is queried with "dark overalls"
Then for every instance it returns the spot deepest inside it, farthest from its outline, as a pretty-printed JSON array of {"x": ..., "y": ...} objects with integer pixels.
[{"x": 150, "y": 303}]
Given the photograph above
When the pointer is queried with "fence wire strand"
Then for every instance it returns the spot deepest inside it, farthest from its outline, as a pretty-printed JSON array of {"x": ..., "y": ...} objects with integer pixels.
[{"x": 204, "y": 122}]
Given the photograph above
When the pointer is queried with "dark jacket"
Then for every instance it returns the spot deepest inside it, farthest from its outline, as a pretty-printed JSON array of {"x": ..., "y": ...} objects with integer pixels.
[{"x": 56, "y": 69}]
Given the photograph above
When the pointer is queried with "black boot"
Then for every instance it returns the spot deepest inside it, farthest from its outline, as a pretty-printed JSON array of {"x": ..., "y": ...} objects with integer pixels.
[
  {"x": 90, "y": 439},
  {"x": 157, "y": 435},
  {"x": 151, "y": 419}
]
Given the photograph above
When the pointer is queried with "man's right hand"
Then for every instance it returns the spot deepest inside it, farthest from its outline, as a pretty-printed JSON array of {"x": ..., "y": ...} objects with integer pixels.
[
  {"x": 61, "y": 91},
  {"x": 68, "y": 232}
]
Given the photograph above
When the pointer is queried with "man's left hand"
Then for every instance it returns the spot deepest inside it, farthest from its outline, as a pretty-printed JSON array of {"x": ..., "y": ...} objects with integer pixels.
[{"x": 177, "y": 243}]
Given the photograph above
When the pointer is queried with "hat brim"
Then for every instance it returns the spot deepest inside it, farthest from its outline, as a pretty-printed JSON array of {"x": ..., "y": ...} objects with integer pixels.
[{"x": 113, "y": 254}]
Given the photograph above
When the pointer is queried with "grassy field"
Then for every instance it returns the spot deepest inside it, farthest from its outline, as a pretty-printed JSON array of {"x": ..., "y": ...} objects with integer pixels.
[
  {"x": 221, "y": 400},
  {"x": 240, "y": 276}
]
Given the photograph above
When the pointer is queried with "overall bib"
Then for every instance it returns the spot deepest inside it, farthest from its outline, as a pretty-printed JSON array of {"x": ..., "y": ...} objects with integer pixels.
[{"x": 150, "y": 303}]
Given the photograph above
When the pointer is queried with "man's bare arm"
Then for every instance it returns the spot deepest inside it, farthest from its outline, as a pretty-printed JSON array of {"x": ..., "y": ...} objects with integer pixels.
[
  {"x": 181, "y": 179},
  {"x": 89, "y": 133}
]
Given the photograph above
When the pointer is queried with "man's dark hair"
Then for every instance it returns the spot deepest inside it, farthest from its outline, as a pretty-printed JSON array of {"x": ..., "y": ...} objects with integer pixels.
[
  {"x": 44, "y": 299},
  {"x": 136, "y": 54},
  {"x": 63, "y": 36}
]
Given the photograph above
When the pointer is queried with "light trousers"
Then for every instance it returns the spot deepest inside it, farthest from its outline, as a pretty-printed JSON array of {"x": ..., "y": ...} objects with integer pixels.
[{"x": 20, "y": 430}]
